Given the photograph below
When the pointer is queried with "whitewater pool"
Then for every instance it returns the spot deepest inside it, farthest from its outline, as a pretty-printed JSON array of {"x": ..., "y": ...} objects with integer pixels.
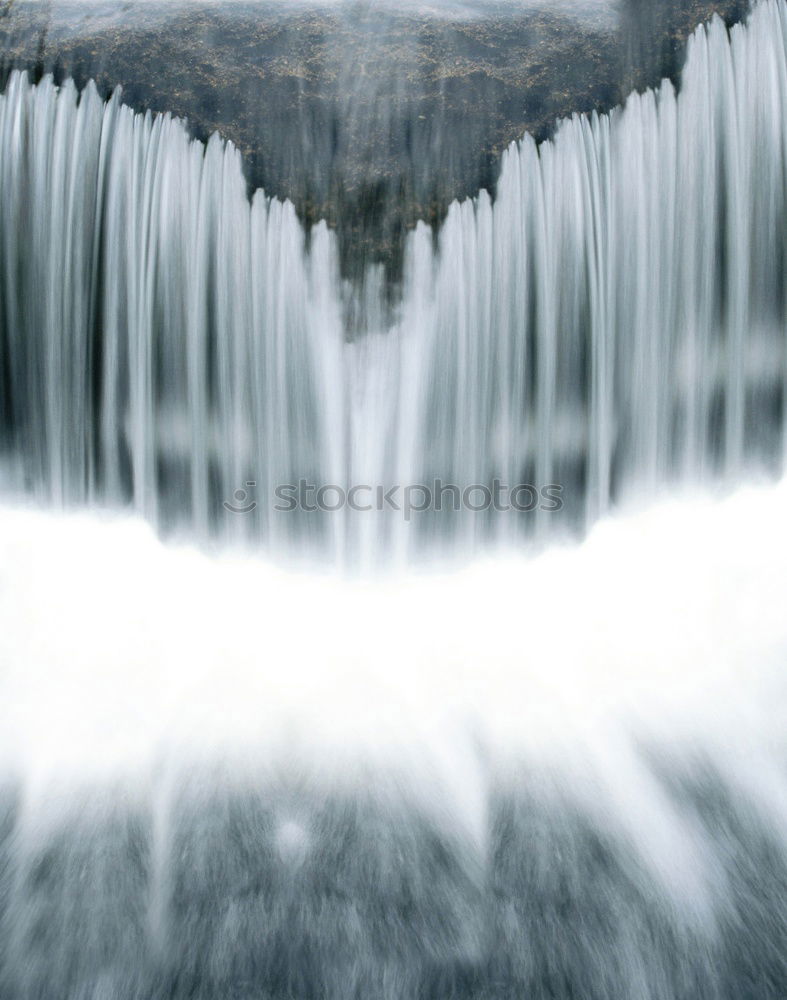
[{"x": 564, "y": 773}]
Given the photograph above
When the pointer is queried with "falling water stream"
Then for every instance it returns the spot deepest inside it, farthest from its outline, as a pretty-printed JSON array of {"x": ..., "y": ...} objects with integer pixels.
[
  {"x": 612, "y": 323},
  {"x": 558, "y": 771}
]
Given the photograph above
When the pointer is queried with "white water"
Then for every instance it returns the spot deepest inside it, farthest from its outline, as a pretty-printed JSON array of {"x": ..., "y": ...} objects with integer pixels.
[
  {"x": 126, "y": 658},
  {"x": 614, "y": 323},
  {"x": 138, "y": 679}
]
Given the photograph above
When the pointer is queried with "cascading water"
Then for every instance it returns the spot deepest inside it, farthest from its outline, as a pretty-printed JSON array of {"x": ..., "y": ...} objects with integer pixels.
[
  {"x": 620, "y": 310},
  {"x": 167, "y": 320},
  {"x": 614, "y": 322},
  {"x": 551, "y": 778}
]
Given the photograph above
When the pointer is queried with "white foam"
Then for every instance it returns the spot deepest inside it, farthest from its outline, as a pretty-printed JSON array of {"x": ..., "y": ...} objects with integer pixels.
[{"x": 124, "y": 657}]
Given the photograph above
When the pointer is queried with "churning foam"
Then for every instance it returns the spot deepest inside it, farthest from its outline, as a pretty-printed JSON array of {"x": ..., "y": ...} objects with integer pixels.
[{"x": 127, "y": 660}]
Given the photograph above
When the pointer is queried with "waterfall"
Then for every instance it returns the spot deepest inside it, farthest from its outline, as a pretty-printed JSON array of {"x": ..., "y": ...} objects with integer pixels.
[
  {"x": 557, "y": 775},
  {"x": 615, "y": 321},
  {"x": 158, "y": 339},
  {"x": 613, "y": 324}
]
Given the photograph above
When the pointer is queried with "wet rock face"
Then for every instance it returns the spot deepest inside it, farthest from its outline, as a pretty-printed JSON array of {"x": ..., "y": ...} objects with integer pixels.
[
  {"x": 367, "y": 118},
  {"x": 653, "y": 32}
]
